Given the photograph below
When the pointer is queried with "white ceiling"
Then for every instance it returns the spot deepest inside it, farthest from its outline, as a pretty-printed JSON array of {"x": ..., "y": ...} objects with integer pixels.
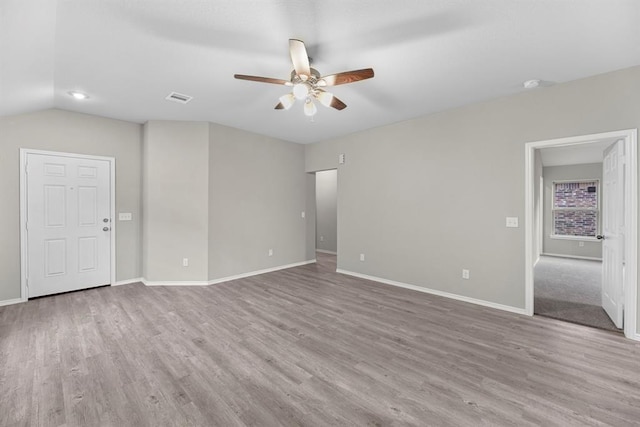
[{"x": 428, "y": 56}]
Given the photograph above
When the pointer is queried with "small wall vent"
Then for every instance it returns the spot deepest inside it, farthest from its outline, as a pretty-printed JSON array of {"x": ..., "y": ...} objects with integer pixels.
[{"x": 179, "y": 97}]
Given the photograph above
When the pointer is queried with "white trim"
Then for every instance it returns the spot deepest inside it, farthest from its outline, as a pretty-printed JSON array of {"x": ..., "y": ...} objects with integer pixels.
[
  {"x": 579, "y": 238},
  {"x": 127, "y": 281},
  {"x": 112, "y": 223},
  {"x": 322, "y": 251},
  {"x": 435, "y": 292},
  {"x": 631, "y": 236},
  {"x": 258, "y": 272},
  {"x": 12, "y": 301},
  {"x": 225, "y": 279},
  {"x": 175, "y": 283},
  {"x": 630, "y": 137},
  {"x": 23, "y": 225},
  {"x": 589, "y": 258},
  {"x": 24, "y": 152}
]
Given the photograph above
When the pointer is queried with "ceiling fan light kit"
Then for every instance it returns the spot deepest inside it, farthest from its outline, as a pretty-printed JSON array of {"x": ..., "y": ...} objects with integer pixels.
[
  {"x": 287, "y": 100},
  {"x": 307, "y": 82}
]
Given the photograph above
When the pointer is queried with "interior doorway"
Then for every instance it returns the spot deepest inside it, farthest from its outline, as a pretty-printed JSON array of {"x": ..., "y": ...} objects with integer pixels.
[
  {"x": 327, "y": 211},
  {"x": 568, "y": 274},
  {"x": 624, "y": 239}
]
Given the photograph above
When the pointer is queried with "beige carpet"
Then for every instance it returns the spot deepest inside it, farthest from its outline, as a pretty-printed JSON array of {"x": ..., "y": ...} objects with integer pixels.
[{"x": 570, "y": 289}]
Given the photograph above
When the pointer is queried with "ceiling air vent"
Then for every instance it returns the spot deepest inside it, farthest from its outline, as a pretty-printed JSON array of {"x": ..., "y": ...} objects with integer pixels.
[{"x": 179, "y": 97}]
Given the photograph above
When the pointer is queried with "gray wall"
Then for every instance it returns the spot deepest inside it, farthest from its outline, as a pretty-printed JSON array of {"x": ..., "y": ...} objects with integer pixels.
[
  {"x": 422, "y": 198},
  {"x": 537, "y": 207},
  {"x": 425, "y": 198},
  {"x": 62, "y": 131},
  {"x": 310, "y": 201},
  {"x": 563, "y": 247},
  {"x": 175, "y": 200},
  {"x": 327, "y": 210},
  {"x": 257, "y": 192}
]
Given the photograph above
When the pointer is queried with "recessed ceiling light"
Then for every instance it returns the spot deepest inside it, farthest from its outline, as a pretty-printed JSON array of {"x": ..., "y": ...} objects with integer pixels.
[
  {"x": 531, "y": 84},
  {"x": 78, "y": 95}
]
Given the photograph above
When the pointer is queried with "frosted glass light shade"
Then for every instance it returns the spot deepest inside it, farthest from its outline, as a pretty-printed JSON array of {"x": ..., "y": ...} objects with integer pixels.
[
  {"x": 300, "y": 90},
  {"x": 287, "y": 100},
  {"x": 310, "y": 108},
  {"x": 325, "y": 98}
]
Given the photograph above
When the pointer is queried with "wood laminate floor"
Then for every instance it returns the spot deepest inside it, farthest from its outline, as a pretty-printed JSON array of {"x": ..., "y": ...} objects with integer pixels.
[{"x": 304, "y": 346}]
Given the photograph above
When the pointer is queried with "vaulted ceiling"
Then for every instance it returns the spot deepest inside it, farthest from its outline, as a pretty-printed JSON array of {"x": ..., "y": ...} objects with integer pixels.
[{"x": 428, "y": 56}]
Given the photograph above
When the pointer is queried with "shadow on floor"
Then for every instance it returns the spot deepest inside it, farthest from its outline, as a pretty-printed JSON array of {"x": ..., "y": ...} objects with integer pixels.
[{"x": 570, "y": 290}]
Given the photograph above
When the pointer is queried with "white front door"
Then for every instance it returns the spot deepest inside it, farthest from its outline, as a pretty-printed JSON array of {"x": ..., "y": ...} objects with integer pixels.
[
  {"x": 613, "y": 231},
  {"x": 68, "y": 223}
]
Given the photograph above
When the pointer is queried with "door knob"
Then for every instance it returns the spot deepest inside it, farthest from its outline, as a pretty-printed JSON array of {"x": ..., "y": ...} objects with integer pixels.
[
  {"x": 105, "y": 220},
  {"x": 105, "y": 229},
  {"x": 600, "y": 237}
]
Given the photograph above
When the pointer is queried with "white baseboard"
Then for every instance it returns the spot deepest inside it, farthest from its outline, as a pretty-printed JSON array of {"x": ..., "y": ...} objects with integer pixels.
[
  {"x": 127, "y": 281},
  {"x": 257, "y": 272},
  {"x": 175, "y": 282},
  {"x": 322, "y": 251},
  {"x": 572, "y": 256},
  {"x": 224, "y": 279},
  {"x": 12, "y": 301},
  {"x": 636, "y": 337},
  {"x": 436, "y": 292}
]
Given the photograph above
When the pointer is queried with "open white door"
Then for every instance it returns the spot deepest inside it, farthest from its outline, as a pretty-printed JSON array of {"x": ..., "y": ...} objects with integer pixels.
[
  {"x": 68, "y": 223},
  {"x": 613, "y": 232}
]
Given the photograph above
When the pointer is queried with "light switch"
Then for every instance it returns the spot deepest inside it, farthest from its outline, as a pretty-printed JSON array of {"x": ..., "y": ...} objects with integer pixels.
[
  {"x": 124, "y": 216},
  {"x": 512, "y": 221}
]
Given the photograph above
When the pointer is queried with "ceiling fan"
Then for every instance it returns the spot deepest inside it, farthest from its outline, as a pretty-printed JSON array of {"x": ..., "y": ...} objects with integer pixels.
[{"x": 307, "y": 83}]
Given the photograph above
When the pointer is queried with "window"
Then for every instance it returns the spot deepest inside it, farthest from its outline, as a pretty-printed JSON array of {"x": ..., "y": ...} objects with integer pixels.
[{"x": 576, "y": 208}]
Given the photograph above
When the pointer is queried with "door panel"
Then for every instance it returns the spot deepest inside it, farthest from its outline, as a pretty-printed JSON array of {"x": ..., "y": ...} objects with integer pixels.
[
  {"x": 613, "y": 232},
  {"x": 55, "y": 257},
  {"x": 88, "y": 250},
  {"x": 68, "y": 201},
  {"x": 87, "y": 206},
  {"x": 54, "y": 206}
]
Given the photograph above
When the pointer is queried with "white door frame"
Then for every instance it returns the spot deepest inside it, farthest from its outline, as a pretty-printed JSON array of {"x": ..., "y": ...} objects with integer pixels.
[
  {"x": 630, "y": 284},
  {"x": 23, "y": 210}
]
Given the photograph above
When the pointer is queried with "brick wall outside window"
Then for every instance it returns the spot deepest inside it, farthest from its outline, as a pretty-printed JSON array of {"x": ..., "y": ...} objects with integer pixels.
[{"x": 575, "y": 208}]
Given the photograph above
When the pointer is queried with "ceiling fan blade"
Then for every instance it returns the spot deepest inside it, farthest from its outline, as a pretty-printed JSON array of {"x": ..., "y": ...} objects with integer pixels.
[
  {"x": 299, "y": 58},
  {"x": 346, "y": 77},
  {"x": 262, "y": 79},
  {"x": 279, "y": 106},
  {"x": 337, "y": 104}
]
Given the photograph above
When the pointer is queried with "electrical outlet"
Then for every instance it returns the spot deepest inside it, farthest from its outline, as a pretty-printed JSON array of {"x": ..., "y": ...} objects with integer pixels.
[
  {"x": 270, "y": 252},
  {"x": 361, "y": 257},
  {"x": 302, "y": 214},
  {"x": 465, "y": 274},
  {"x": 322, "y": 238},
  {"x": 185, "y": 262},
  {"x": 581, "y": 244}
]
